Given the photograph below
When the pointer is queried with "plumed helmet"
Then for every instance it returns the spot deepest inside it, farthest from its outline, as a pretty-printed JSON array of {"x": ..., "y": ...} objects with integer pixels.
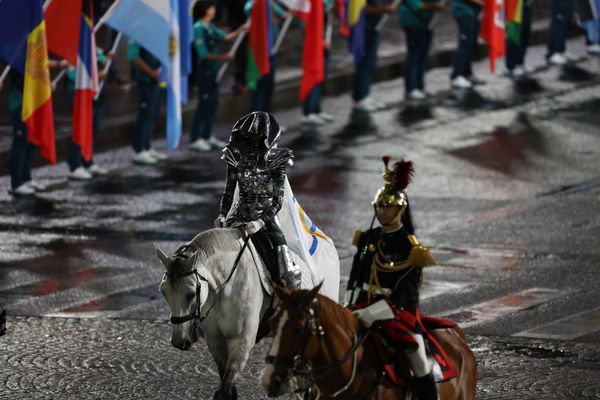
[
  {"x": 256, "y": 127},
  {"x": 393, "y": 193}
]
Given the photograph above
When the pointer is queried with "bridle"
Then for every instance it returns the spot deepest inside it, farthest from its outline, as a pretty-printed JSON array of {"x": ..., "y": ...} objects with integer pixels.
[
  {"x": 195, "y": 315},
  {"x": 301, "y": 367}
]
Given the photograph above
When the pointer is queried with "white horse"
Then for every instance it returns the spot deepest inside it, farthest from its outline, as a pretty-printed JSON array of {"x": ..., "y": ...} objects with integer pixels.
[{"x": 207, "y": 296}]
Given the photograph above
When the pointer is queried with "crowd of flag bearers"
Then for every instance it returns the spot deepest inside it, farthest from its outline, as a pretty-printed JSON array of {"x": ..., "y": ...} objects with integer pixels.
[{"x": 177, "y": 42}]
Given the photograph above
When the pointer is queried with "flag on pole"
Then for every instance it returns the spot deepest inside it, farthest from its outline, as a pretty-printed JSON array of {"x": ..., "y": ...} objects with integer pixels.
[
  {"x": 342, "y": 13},
  {"x": 23, "y": 46},
  {"x": 514, "y": 16},
  {"x": 63, "y": 22},
  {"x": 147, "y": 22},
  {"x": 313, "y": 62},
  {"x": 174, "y": 81},
  {"x": 299, "y": 7},
  {"x": 355, "y": 13},
  {"x": 186, "y": 38},
  {"x": 86, "y": 83},
  {"x": 260, "y": 42},
  {"x": 492, "y": 30}
]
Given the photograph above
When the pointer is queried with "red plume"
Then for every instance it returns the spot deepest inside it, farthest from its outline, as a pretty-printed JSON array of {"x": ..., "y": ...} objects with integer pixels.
[
  {"x": 386, "y": 160},
  {"x": 403, "y": 171}
]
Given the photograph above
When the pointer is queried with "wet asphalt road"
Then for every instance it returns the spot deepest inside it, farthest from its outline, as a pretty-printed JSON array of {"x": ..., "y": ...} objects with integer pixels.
[{"x": 506, "y": 194}]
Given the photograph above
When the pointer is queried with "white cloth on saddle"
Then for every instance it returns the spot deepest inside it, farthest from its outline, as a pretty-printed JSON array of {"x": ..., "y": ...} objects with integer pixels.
[{"x": 308, "y": 243}]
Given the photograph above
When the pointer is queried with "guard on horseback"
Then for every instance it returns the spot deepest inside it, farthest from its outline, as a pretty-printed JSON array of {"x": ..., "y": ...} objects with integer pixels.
[
  {"x": 257, "y": 166},
  {"x": 387, "y": 271}
]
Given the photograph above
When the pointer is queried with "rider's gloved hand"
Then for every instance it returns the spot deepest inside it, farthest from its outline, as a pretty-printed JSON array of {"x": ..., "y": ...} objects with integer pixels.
[
  {"x": 220, "y": 221},
  {"x": 364, "y": 317},
  {"x": 254, "y": 226}
]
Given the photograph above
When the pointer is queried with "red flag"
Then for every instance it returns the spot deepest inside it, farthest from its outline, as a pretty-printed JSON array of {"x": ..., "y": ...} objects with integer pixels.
[
  {"x": 258, "y": 38},
  {"x": 63, "y": 18},
  {"x": 492, "y": 30},
  {"x": 313, "y": 68}
]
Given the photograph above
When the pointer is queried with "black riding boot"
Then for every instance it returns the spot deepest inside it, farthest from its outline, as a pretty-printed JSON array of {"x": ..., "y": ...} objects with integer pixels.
[{"x": 426, "y": 388}]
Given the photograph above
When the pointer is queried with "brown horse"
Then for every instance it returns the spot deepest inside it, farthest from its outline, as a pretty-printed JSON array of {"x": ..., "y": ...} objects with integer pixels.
[{"x": 320, "y": 347}]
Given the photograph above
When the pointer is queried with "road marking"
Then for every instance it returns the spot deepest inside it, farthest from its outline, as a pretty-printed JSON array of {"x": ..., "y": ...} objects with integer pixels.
[
  {"x": 496, "y": 308},
  {"x": 567, "y": 328}
]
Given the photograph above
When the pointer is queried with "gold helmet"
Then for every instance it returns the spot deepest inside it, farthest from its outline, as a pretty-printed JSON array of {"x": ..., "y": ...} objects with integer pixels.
[{"x": 393, "y": 193}]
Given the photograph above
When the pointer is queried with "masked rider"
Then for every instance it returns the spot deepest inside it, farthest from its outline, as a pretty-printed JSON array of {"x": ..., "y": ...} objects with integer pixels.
[
  {"x": 387, "y": 272},
  {"x": 257, "y": 166}
]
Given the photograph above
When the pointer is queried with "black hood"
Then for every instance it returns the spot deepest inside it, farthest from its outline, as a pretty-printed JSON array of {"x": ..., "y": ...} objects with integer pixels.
[{"x": 256, "y": 127}]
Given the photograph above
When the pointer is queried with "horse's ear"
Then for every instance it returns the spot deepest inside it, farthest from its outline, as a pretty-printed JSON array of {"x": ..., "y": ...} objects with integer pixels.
[
  {"x": 281, "y": 292},
  {"x": 311, "y": 294},
  {"x": 164, "y": 259}
]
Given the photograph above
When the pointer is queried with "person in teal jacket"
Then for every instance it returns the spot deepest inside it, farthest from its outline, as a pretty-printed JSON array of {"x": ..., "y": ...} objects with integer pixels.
[
  {"x": 466, "y": 13},
  {"x": 207, "y": 37},
  {"x": 415, "y": 19}
]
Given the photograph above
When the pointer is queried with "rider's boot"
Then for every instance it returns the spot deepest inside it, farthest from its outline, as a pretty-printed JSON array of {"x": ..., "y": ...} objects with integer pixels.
[
  {"x": 426, "y": 388},
  {"x": 289, "y": 273}
]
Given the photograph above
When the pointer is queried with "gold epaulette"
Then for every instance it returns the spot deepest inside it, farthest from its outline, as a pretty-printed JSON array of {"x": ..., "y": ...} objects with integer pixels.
[
  {"x": 421, "y": 257},
  {"x": 356, "y": 237},
  {"x": 413, "y": 240}
]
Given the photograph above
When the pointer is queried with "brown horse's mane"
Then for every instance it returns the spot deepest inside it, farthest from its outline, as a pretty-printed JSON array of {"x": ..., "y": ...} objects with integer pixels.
[{"x": 336, "y": 314}]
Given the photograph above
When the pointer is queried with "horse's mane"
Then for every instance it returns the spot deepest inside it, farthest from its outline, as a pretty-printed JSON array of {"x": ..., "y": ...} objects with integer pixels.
[
  {"x": 202, "y": 246},
  {"x": 337, "y": 314}
]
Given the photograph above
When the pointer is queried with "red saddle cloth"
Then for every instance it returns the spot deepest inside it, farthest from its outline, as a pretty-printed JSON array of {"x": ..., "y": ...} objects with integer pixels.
[{"x": 396, "y": 333}]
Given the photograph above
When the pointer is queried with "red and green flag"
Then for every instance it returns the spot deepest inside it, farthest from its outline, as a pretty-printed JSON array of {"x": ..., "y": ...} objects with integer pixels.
[
  {"x": 260, "y": 42},
  {"x": 514, "y": 14}
]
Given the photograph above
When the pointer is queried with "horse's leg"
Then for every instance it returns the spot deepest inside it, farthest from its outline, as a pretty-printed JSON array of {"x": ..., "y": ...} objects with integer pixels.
[
  {"x": 239, "y": 350},
  {"x": 217, "y": 346}
]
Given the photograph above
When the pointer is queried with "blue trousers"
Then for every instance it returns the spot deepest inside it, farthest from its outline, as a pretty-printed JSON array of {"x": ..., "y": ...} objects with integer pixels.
[
  {"x": 260, "y": 98},
  {"x": 561, "y": 15},
  {"x": 365, "y": 70},
  {"x": 515, "y": 53},
  {"x": 592, "y": 31},
  {"x": 468, "y": 31},
  {"x": 419, "y": 42},
  {"x": 208, "y": 103},
  {"x": 150, "y": 96},
  {"x": 21, "y": 152},
  {"x": 312, "y": 104},
  {"x": 75, "y": 159}
]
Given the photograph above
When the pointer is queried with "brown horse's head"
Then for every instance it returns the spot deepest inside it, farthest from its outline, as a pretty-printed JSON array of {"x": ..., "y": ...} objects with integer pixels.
[{"x": 296, "y": 329}]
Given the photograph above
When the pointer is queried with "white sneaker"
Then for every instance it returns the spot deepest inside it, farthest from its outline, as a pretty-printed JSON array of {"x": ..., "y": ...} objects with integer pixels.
[
  {"x": 36, "y": 185},
  {"x": 80, "y": 174},
  {"x": 365, "y": 105},
  {"x": 379, "y": 104},
  {"x": 460, "y": 82},
  {"x": 326, "y": 117},
  {"x": 95, "y": 169},
  {"x": 23, "y": 190},
  {"x": 144, "y": 158},
  {"x": 557, "y": 59},
  {"x": 312, "y": 120},
  {"x": 216, "y": 143},
  {"x": 518, "y": 72},
  {"x": 200, "y": 145},
  {"x": 157, "y": 155},
  {"x": 416, "y": 94},
  {"x": 593, "y": 49}
]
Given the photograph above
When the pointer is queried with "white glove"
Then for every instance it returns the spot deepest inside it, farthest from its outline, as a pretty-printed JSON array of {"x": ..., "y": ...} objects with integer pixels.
[
  {"x": 220, "y": 221},
  {"x": 364, "y": 317},
  {"x": 254, "y": 226},
  {"x": 375, "y": 312}
]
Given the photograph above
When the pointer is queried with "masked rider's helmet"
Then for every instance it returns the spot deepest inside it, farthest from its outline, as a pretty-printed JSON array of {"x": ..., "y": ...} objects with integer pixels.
[{"x": 255, "y": 132}]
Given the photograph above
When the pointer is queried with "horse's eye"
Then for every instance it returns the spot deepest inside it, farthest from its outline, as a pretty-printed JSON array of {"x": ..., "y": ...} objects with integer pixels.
[{"x": 191, "y": 296}]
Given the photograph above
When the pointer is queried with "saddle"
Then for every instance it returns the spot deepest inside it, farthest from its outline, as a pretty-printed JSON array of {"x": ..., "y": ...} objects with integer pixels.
[{"x": 396, "y": 365}]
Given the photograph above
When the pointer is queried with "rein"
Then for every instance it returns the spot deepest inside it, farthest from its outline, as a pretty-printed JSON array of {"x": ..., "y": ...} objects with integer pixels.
[
  {"x": 302, "y": 368},
  {"x": 196, "y": 314}
]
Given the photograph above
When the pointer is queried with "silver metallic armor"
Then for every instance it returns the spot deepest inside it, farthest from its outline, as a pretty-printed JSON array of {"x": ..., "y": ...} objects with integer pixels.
[{"x": 258, "y": 167}]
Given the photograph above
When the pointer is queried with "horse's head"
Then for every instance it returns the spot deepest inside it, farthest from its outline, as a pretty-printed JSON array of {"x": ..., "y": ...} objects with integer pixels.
[
  {"x": 185, "y": 291},
  {"x": 296, "y": 329}
]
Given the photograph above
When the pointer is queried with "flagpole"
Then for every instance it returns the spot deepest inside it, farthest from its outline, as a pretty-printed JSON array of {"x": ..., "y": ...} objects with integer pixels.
[
  {"x": 113, "y": 50},
  {"x": 8, "y": 67},
  {"x": 384, "y": 19},
  {"x": 232, "y": 51},
  {"x": 282, "y": 33},
  {"x": 58, "y": 78},
  {"x": 106, "y": 15}
]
